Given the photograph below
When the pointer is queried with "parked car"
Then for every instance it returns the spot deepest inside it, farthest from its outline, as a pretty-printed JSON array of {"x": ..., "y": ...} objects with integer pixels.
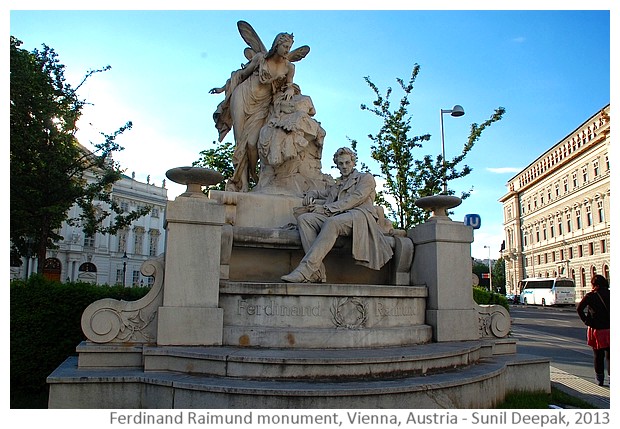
[{"x": 512, "y": 298}]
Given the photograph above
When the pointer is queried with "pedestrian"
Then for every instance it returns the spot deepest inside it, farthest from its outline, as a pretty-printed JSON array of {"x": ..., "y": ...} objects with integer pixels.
[{"x": 594, "y": 312}]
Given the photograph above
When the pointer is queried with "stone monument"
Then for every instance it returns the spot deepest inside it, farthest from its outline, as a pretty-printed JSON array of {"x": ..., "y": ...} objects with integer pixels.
[{"x": 220, "y": 328}]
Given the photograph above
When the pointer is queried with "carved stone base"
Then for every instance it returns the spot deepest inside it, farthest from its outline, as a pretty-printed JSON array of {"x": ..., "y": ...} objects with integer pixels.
[{"x": 323, "y": 315}]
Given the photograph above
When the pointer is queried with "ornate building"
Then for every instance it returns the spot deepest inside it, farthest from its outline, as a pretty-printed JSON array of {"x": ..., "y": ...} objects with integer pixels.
[
  {"x": 557, "y": 211},
  {"x": 109, "y": 259}
]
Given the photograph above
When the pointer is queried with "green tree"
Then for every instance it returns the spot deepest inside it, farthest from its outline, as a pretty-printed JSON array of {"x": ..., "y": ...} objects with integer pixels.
[
  {"x": 479, "y": 268},
  {"x": 407, "y": 175},
  {"x": 219, "y": 159},
  {"x": 499, "y": 276},
  {"x": 50, "y": 171}
]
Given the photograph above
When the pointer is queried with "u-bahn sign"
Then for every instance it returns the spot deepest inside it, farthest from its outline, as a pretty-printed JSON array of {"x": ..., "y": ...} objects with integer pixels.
[{"x": 472, "y": 220}]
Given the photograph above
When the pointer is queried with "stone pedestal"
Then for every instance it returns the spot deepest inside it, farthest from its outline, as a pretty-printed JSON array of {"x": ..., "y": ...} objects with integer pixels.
[
  {"x": 190, "y": 313},
  {"x": 442, "y": 262}
]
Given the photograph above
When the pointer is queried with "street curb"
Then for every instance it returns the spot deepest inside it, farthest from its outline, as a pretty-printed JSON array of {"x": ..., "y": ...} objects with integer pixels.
[{"x": 592, "y": 393}]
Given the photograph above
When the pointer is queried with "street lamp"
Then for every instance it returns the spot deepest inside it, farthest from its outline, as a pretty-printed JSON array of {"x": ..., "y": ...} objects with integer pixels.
[
  {"x": 456, "y": 111},
  {"x": 490, "y": 278},
  {"x": 124, "y": 267}
]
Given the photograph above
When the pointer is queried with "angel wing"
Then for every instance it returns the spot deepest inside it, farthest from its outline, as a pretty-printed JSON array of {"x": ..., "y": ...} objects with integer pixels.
[
  {"x": 251, "y": 38},
  {"x": 299, "y": 53}
]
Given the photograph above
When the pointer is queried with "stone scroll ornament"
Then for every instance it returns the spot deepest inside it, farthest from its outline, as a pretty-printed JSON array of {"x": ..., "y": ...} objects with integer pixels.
[
  {"x": 116, "y": 321},
  {"x": 493, "y": 321}
]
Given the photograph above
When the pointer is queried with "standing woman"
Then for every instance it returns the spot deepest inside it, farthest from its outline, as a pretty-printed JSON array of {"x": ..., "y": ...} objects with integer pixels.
[
  {"x": 594, "y": 312},
  {"x": 249, "y": 97}
]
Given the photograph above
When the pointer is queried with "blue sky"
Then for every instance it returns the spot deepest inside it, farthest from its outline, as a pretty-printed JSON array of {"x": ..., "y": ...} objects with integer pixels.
[{"x": 550, "y": 69}]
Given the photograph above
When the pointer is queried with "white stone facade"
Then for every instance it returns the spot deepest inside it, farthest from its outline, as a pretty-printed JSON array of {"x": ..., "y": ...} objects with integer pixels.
[
  {"x": 99, "y": 259},
  {"x": 557, "y": 210}
]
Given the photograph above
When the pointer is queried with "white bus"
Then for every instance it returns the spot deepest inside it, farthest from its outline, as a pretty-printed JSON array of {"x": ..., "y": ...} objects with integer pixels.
[{"x": 547, "y": 291}]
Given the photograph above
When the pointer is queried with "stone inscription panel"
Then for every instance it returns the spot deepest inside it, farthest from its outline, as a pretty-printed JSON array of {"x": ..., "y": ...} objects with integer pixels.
[{"x": 321, "y": 311}]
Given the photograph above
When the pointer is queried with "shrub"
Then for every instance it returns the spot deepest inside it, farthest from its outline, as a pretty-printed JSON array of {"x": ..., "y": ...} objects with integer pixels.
[
  {"x": 483, "y": 296},
  {"x": 46, "y": 328}
]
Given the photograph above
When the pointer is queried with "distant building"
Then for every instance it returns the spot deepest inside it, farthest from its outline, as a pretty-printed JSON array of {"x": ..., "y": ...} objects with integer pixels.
[
  {"x": 557, "y": 210},
  {"x": 109, "y": 259}
]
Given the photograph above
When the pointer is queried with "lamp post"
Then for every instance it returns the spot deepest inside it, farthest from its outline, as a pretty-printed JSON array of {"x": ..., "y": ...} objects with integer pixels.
[
  {"x": 490, "y": 278},
  {"x": 124, "y": 267},
  {"x": 456, "y": 111}
]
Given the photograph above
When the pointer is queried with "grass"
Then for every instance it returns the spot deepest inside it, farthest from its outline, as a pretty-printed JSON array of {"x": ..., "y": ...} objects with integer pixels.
[{"x": 542, "y": 400}]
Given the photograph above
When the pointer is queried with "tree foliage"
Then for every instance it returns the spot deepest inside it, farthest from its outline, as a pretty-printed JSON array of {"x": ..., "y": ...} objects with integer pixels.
[
  {"x": 409, "y": 176},
  {"x": 50, "y": 171},
  {"x": 499, "y": 275},
  {"x": 219, "y": 159}
]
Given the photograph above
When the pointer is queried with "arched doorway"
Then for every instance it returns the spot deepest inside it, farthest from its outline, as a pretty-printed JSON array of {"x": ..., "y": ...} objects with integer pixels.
[
  {"x": 52, "y": 268},
  {"x": 87, "y": 273}
]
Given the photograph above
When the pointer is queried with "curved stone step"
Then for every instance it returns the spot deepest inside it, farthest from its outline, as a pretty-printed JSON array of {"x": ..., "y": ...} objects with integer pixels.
[
  {"x": 257, "y": 363},
  {"x": 481, "y": 385}
]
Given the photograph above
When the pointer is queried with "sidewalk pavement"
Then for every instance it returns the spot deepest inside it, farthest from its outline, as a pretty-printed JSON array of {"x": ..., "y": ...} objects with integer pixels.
[{"x": 592, "y": 393}]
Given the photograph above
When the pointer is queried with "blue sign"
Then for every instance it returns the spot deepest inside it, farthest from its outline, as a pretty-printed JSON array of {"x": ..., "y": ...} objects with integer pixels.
[{"x": 473, "y": 220}]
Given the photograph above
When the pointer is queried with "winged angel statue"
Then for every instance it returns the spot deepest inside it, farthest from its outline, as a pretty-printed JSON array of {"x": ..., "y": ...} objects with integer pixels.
[{"x": 249, "y": 98}]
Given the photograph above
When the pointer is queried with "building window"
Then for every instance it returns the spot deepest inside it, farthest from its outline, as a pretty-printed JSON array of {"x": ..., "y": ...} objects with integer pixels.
[
  {"x": 607, "y": 162},
  {"x": 583, "y": 277},
  {"x": 580, "y": 251},
  {"x": 548, "y": 194},
  {"x": 135, "y": 278},
  {"x": 569, "y": 226},
  {"x": 560, "y": 231},
  {"x": 595, "y": 167},
  {"x": 584, "y": 173},
  {"x": 89, "y": 240},
  {"x": 154, "y": 212},
  {"x": 570, "y": 253},
  {"x": 538, "y": 236},
  {"x": 119, "y": 276},
  {"x": 603, "y": 246},
  {"x": 138, "y": 240},
  {"x": 591, "y": 248},
  {"x": 552, "y": 230},
  {"x": 557, "y": 189},
  {"x": 578, "y": 218},
  {"x": 125, "y": 206},
  {"x": 122, "y": 241},
  {"x": 546, "y": 258},
  {"x": 561, "y": 254},
  {"x": 589, "y": 215},
  {"x": 565, "y": 181},
  {"x": 538, "y": 259},
  {"x": 601, "y": 211},
  {"x": 575, "y": 183},
  {"x": 606, "y": 271},
  {"x": 153, "y": 242}
]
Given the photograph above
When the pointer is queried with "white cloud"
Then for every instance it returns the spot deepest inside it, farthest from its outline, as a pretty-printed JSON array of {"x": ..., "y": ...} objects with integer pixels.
[{"x": 520, "y": 39}]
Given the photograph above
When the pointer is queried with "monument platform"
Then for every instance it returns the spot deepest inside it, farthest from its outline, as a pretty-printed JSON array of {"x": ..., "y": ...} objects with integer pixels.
[{"x": 437, "y": 375}]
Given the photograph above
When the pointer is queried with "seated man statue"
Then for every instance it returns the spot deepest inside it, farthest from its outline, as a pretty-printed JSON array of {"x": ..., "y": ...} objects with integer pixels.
[{"x": 348, "y": 210}]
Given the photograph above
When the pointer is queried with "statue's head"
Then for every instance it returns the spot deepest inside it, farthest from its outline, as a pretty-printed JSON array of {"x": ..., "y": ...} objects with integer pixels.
[
  {"x": 345, "y": 151},
  {"x": 279, "y": 40}
]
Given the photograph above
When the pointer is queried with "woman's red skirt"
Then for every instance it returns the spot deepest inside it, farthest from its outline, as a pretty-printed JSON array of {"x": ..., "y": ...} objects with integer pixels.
[{"x": 598, "y": 338}]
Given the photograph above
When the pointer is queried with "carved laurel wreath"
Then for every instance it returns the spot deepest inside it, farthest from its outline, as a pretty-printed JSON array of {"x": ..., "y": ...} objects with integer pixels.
[{"x": 349, "y": 313}]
